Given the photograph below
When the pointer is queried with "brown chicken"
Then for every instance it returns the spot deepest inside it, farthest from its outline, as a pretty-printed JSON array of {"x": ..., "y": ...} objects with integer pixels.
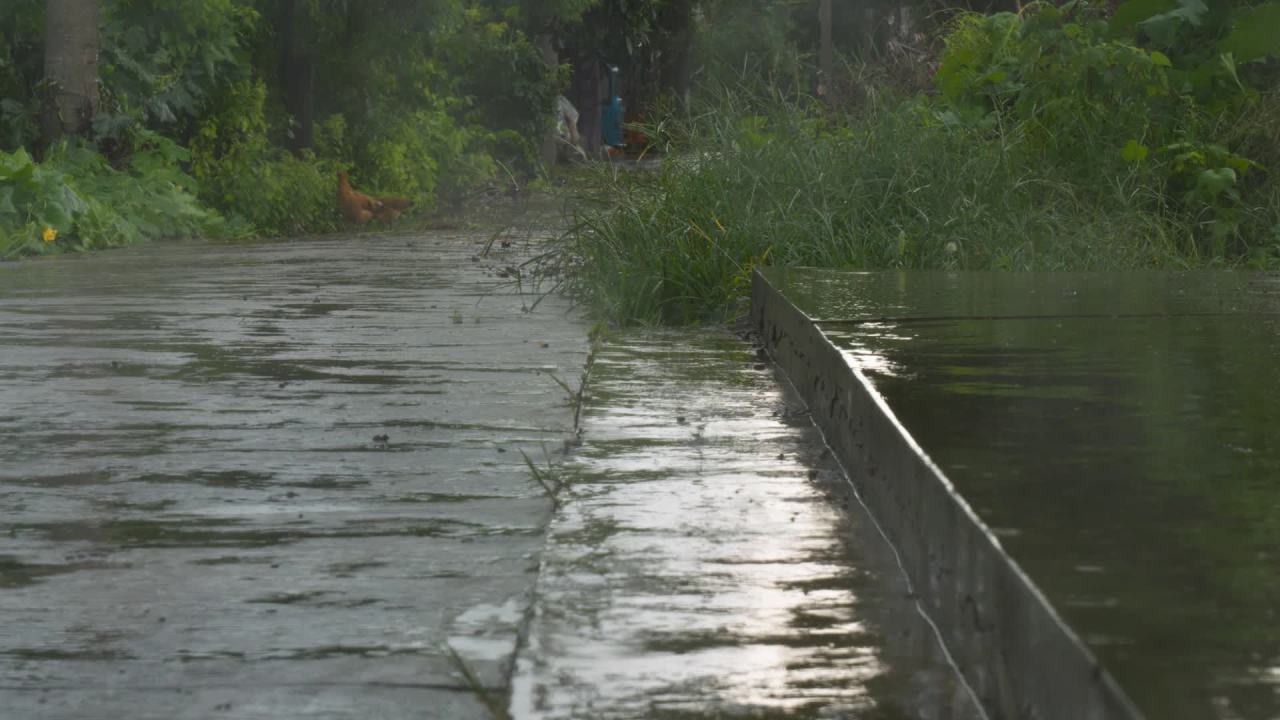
[
  {"x": 356, "y": 207},
  {"x": 391, "y": 209}
]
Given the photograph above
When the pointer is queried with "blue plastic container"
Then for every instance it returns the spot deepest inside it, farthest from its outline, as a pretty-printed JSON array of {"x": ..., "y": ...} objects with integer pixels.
[{"x": 612, "y": 113}]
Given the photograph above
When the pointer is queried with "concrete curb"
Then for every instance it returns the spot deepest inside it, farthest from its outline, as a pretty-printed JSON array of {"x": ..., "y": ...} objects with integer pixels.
[{"x": 1017, "y": 653}]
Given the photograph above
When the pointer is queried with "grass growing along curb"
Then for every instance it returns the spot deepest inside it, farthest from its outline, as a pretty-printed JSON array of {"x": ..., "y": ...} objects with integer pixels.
[
  {"x": 549, "y": 480},
  {"x": 775, "y": 182},
  {"x": 575, "y": 398}
]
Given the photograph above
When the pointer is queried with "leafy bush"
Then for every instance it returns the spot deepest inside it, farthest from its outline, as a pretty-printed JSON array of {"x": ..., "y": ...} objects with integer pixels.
[
  {"x": 241, "y": 173},
  {"x": 20, "y": 66},
  {"x": 1135, "y": 96},
  {"x": 163, "y": 59},
  {"x": 274, "y": 191},
  {"x": 75, "y": 200},
  {"x": 503, "y": 78},
  {"x": 1059, "y": 138},
  {"x": 765, "y": 181},
  {"x": 425, "y": 155},
  {"x": 416, "y": 101},
  {"x": 748, "y": 38}
]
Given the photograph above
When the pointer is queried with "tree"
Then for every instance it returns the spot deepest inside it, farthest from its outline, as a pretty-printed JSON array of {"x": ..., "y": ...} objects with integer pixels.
[
  {"x": 297, "y": 76},
  {"x": 650, "y": 41},
  {"x": 675, "y": 36},
  {"x": 70, "y": 66},
  {"x": 826, "y": 53}
]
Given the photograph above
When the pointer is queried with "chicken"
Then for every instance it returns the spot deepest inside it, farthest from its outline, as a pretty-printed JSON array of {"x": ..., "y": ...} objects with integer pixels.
[
  {"x": 356, "y": 207},
  {"x": 391, "y": 209}
]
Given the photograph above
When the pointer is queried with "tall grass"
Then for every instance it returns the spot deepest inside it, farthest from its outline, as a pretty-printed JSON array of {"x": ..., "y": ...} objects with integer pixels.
[{"x": 763, "y": 179}]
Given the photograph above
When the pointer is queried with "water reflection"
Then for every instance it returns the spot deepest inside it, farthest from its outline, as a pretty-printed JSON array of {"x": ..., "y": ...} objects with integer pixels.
[
  {"x": 1129, "y": 464},
  {"x": 840, "y": 295},
  {"x": 698, "y": 571}
]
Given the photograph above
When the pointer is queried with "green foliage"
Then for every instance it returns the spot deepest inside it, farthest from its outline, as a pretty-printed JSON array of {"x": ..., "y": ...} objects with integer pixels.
[
  {"x": 1218, "y": 50},
  {"x": 547, "y": 14},
  {"x": 966, "y": 181},
  {"x": 244, "y": 175},
  {"x": 1086, "y": 94},
  {"x": 1059, "y": 139},
  {"x": 421, "y": 106},
  {"x": 425, "y": 155},
  {"x": 20, "y": 68},
  {"x": 768, "y": 181},
  {"x": 1255, "y": 34},
  {"x": 503, "y": 78},
  {"x": 162, "y": 59},
  {"x": 421, "y": 99},
  {"x": 33, "y": 199},
  {"x": 1070, "y": 87},
  {"x": 739, "y": 40},
  {"x": 75, "y": 200}
]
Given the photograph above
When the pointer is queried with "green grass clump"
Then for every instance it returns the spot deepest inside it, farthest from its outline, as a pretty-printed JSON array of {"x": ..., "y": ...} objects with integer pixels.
[
  {"x": 892, "y": 191},
  {"x": 783, "y": 186},
  {"x": 1053, "y": 139}
]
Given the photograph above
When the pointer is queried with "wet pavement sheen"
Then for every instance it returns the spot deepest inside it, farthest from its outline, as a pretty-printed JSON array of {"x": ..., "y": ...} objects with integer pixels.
[
  {"x": 1120, "y": 435},
  {"x": 201, "y": 516},
  {"x": 709, "y": 562}
]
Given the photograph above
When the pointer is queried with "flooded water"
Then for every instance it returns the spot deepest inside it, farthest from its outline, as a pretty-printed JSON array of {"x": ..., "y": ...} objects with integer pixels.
[
  {"x": 1119, "y": 433},
  {"x": 276, "y": 479},
  {"x": 708, "y": 561},
  {"x": 288, "y": 479}
]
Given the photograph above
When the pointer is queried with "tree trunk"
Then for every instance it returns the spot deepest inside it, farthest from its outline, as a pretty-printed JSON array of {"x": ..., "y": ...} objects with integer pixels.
[
  {"x": 870, "y": 47},
  {"x": 676, "y": 61},
  {"x": 546, "y": 45},
  {"x": 70, "y": 67},
  {"x": 297, "y": 78},
  {"x": 826, "y": 54},
  {"x": 587, "y": 95}
]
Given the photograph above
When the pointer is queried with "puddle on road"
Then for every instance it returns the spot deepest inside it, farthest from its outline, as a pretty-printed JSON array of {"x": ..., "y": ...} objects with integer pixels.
[{"x": 702, "y": 565}]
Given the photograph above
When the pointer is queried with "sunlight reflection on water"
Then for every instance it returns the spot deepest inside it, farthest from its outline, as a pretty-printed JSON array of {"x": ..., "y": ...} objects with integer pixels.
[{"x": 698, "y": 568}]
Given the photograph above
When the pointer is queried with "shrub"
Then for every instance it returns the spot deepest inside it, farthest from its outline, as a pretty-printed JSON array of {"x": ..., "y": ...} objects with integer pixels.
[
  {"x": 766, "y": 181},
  {"x": 1136, "y": 96},
  {"x": 241, "y": 173},
  {"x": 75, "y": 200},
  {"x": 425, "y": 155},
  {"x": 504, "y": 80},
  {"x": 20, "y": 68}
]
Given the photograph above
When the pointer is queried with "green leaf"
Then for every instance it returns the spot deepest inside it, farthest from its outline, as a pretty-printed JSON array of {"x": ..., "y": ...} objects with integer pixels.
[
  {"x": 1228, "y": 63},
  {"x": 1160, "y": 59},
  {"x": 1223, "y": 227},
  {"x": 1134, "y": 151},
  {"x": 6, "y": 202},
  {"x": 1131, "y": 13},
  {"x": 1215, "y": 181},
  {"x": 1163, "y": 28},
  {"x": 1241, "y": 165},
  {"x": 17, "y": 167},
  {"x": 1255, "y": 35}
]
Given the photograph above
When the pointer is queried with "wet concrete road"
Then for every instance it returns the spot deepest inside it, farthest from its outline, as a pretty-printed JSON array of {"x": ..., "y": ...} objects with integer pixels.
[
  {"x": 196, "y": 518},
  {"x": 709, "y": 561}
]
